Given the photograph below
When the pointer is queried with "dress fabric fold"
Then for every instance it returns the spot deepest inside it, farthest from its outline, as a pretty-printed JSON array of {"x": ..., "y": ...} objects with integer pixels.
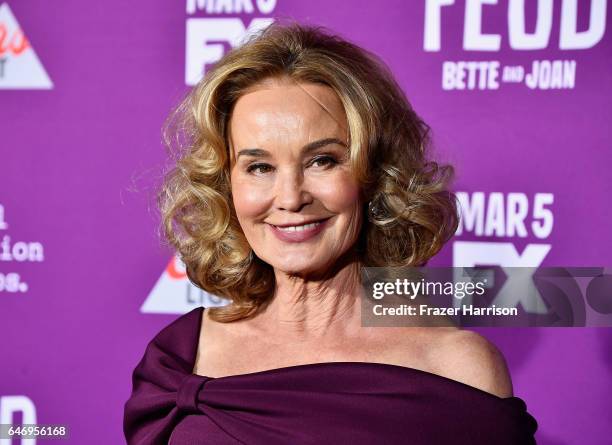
[{"x": 321, "y": 403}]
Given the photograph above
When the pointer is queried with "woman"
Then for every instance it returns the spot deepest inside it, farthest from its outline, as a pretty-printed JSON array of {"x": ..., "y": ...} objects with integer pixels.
[{"x": 305, "y": 162}]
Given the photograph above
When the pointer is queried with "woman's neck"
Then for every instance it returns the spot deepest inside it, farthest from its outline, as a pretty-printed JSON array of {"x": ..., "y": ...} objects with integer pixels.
[{"x": 313, "y": 309}]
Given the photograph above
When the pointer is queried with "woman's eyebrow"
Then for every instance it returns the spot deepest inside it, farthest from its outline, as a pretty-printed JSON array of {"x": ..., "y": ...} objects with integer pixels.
[
  {"x": 261, "y": 153},
  {"x": 321, "y": 143},
  {"x": 254, "y": 152}
]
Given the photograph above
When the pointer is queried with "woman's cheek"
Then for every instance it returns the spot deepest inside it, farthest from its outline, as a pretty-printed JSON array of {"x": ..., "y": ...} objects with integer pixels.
[
  {"x": 249, "y": 199},
  {"x": 339, "y": 193}
]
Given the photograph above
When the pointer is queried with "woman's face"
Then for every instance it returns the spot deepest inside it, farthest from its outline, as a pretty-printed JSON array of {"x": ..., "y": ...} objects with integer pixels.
[{"x": 294, "y": 194}]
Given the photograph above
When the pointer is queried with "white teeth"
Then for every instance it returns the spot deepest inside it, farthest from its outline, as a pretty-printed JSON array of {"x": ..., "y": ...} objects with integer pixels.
[{"x": 299, "y": 228}]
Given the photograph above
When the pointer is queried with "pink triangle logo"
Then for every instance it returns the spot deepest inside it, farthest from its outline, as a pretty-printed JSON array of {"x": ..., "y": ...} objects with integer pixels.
[
  {"x": 173, "y": 293},
  {"x": 20, "y": 68}
]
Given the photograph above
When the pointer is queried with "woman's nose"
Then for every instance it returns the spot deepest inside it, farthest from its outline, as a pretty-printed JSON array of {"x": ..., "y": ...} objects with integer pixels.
[{"x": 291, "y": 193}]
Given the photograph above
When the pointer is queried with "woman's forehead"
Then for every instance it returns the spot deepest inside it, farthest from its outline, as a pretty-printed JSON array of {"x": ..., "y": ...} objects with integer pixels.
[{"x": 290, "y": 103}]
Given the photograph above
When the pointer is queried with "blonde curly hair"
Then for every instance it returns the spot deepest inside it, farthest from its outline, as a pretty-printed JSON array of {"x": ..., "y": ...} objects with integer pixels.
[{"x": 410, "y": 212}]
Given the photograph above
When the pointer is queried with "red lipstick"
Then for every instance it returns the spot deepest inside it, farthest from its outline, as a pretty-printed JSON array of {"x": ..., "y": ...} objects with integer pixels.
[{"x": 300, "y": 233}]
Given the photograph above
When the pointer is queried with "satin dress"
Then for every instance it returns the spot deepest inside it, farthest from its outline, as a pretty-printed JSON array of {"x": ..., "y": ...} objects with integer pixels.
[{"x": 322, "y": 403}]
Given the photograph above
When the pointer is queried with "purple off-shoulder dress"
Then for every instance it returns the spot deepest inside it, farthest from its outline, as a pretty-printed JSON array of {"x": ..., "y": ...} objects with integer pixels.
[{"x": 323, "y": 403}]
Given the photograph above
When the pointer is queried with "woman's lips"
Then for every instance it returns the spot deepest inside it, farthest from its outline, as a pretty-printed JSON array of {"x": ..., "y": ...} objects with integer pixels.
[{"x": 300, "y": 235}]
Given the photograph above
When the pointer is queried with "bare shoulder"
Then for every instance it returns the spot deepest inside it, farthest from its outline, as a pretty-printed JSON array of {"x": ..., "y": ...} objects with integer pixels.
[{"x": 470, "y": 358}]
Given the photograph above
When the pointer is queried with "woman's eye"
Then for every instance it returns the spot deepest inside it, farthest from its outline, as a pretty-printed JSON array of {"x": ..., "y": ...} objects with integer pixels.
[
  {"x": 259, "y": 168},
  {"x": 319, "y": 161},
  {"x": 323, "y": 161}
]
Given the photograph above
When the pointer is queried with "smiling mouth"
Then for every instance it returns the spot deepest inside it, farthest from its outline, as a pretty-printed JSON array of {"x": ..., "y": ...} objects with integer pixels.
[{"x": 301, "y": 227}]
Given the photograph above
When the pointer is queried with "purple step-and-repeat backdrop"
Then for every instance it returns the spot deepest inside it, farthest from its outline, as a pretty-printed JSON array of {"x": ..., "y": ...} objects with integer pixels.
[{"x": 519, "y": 95}]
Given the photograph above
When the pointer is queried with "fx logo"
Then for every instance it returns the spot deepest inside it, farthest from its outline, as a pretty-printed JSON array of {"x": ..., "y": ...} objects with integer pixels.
[
  {"x": 207, "y": 39},
  {"x": 471, "y": 254}
]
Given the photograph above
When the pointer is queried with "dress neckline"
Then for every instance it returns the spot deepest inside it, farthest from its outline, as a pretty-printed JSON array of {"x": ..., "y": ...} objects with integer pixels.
[{"x": 340, "y": 364}]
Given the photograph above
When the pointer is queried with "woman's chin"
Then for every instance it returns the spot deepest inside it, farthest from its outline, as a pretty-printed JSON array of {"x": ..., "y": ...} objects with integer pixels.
[{"x": 295, "y": 268}]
